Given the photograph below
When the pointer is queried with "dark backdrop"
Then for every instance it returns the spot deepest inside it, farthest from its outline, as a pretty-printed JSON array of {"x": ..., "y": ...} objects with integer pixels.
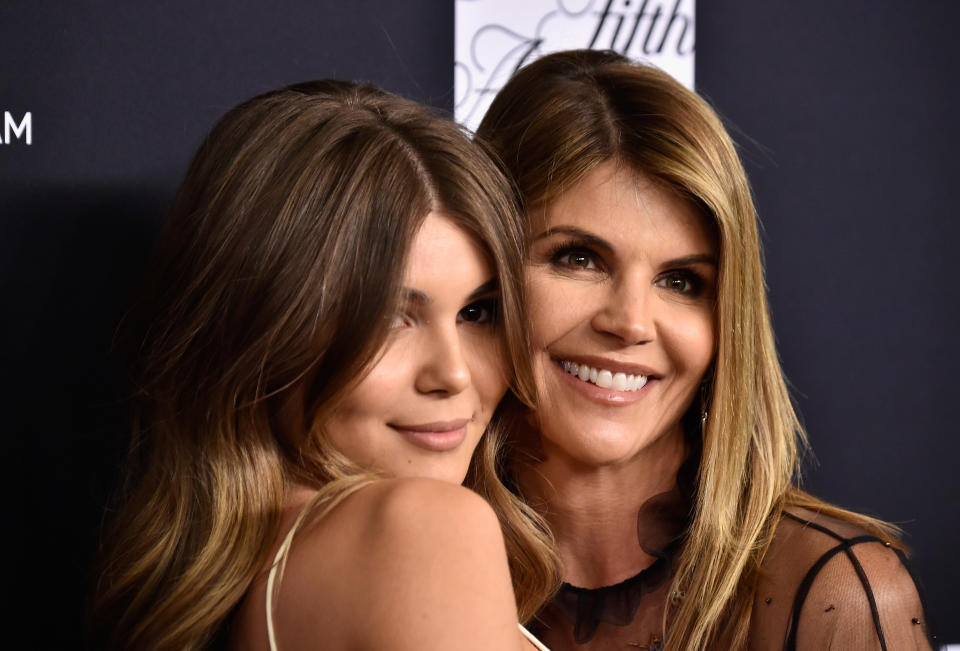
[
  {"x": 121, "y": 94},
  {"x": 846, "y": 113},
  {"x": 843, "y": 114}
]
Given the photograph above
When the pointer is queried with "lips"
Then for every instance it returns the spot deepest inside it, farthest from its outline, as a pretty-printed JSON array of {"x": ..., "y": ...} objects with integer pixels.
[
  {"x": 628, "y": 383},
  {"x": 605, "y": 378},
  {"x": 439, "y": 436}
]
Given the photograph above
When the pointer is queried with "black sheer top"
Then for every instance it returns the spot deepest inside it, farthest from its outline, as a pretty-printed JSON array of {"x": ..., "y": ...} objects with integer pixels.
[{"x": 826, "y": 584}]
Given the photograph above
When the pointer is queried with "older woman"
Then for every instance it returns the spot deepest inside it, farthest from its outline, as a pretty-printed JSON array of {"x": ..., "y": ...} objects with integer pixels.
[{"x": 664, "y": 448}]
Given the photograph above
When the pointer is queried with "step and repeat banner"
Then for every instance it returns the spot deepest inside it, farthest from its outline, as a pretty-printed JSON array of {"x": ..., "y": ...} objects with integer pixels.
[{"x": 496, "y": 37}]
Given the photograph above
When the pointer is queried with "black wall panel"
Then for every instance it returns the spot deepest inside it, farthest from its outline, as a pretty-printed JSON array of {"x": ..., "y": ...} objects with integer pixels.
[
  {"x": 846, "y": 117},
  {"x": 120, "y": 95},
  {"x": 844, "y": 112}
]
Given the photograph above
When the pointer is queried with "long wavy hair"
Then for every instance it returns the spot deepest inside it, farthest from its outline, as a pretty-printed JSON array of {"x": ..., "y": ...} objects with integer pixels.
[
  {"x": 281, "y": 260},
  {"x": 554, "y": 122}
]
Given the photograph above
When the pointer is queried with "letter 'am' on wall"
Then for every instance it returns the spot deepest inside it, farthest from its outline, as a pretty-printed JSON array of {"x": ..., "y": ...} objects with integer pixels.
[{"x": 496, "y": 37}]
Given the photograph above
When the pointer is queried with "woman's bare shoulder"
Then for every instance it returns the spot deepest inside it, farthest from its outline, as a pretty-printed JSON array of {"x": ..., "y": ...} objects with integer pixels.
[
  {"x": 826, "y": 580},
  {"x": 394, "y": 515},
  {"x": 402, "y": 563},
  {"x": 393, "y": 504}
]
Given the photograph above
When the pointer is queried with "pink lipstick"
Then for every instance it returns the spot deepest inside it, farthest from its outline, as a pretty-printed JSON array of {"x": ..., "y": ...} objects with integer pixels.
[{"x": 439, "y": 436}]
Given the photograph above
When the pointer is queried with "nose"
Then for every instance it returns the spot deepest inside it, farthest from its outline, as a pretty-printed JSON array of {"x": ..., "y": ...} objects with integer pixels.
[
  {"x": 626, "y": 313},
  {"x": 443, "y": 367}
]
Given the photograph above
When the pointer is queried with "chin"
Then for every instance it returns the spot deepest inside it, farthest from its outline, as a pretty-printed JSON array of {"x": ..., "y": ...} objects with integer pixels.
[
  {"x": 597, "y": 445},
  {"x": 600, "y": 453}
]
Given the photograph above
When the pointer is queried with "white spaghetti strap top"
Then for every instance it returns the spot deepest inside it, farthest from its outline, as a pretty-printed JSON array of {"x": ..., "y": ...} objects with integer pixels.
[
  {"x": 534, "y": 641},
  {"x": 272, "y": 577}
]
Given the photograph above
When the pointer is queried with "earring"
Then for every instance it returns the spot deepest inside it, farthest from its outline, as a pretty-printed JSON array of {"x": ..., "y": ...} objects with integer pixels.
[{"x": 703, "y": 407}]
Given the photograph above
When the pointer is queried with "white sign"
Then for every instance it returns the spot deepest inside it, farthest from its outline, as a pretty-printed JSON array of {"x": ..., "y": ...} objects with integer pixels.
[{"x": 496, "y": 37}]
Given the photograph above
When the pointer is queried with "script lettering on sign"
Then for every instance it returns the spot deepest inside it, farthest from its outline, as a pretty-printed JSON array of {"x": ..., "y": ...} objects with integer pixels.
[{"x": 494, "y": 38}]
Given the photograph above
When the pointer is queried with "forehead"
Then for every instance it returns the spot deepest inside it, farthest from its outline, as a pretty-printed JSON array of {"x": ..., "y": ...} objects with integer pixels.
[
  {"x": 626, "y": 206},
  {"x": 443, "y": 254}
]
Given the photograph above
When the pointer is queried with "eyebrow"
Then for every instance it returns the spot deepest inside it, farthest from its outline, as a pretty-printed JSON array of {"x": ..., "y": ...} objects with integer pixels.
[
  {"x": 587, "y": 237},
  {"x": 698, "y": 258},
  {"x": 590, "y": 238},
  {"x": 420, "y": 297},
  {"x": 488, "y": 287}
]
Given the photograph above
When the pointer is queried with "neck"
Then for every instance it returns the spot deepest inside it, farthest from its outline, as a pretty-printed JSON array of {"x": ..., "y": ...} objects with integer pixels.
[{"x": 592, "y": 510}]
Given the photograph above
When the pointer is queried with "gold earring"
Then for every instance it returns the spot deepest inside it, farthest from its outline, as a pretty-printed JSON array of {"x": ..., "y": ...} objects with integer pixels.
[{"x": 703, "y": 407}]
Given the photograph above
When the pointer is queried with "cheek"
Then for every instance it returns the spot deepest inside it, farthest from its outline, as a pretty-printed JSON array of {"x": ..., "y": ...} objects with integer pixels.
[
  {"x": 488, "y": 370},
  {"x": 377, "y": 395},
  {"x": 385, "y": 382},
  {"x": 551, "y": 306},
  {"x": 692, "y": 340}
]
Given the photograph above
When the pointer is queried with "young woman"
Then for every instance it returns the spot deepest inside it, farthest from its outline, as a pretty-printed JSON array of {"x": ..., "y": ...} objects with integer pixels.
[
  {"x": 664, "y": 448},
  {"x": 329, "y": 328}
]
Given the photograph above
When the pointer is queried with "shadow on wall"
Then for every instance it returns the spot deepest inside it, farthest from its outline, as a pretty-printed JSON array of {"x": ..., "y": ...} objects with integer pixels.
[{"x": 71, "y": 259}]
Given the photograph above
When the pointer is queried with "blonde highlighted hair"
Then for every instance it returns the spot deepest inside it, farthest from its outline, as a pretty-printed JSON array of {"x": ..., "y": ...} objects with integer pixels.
[
  {"x": 281, "y": 260},
  {"x": 554, "y": 122}
]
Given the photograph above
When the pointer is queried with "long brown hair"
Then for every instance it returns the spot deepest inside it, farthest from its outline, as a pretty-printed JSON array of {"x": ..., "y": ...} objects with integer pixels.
[
  {"x": 554, "y": 122},
  {"x": 281, "y": 260}
]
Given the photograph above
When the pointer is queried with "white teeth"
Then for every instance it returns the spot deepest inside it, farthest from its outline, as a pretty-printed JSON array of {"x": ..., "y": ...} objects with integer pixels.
[
  {"x": 605, "y": 379},
  {"x": 619, "y": 382}
]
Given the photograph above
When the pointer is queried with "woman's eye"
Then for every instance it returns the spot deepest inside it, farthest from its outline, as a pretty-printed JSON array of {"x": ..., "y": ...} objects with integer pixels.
[
  {"x": 575, "y": 259},
  {"x": 401, "y": 320},
  {"x": 681, "y": 282},
  {"x": 483, "y": 311}
]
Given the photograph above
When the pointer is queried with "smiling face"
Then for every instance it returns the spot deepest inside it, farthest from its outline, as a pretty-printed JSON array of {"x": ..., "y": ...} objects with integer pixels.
[
  {"x": 422, "y": 407},
  {"x": 621, "y": 282}
]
